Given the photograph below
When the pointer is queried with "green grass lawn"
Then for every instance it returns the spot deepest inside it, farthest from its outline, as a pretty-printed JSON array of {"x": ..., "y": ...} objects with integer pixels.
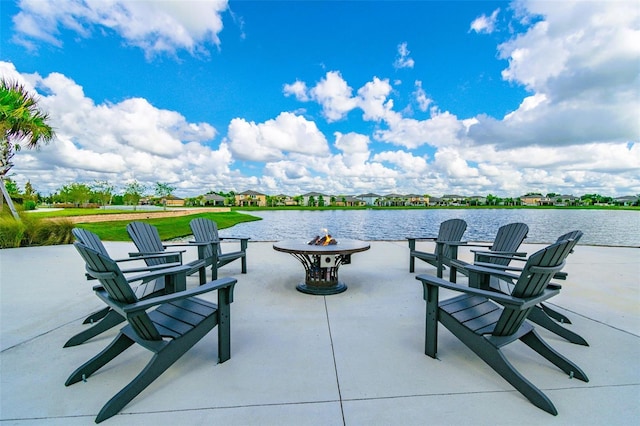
[{"x": 169, "y": 228}]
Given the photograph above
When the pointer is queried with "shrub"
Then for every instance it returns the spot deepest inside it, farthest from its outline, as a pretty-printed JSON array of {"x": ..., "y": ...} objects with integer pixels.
[
  {"x": 34, "y": 232},
  {"x": 11, "y": 232}
]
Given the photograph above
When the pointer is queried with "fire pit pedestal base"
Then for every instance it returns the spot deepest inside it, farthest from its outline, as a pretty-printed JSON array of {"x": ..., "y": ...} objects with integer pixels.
[{"x": 321, "y": 263}]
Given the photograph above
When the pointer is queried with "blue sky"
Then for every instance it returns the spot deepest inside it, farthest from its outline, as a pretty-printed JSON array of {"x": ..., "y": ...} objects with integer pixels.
[{"x": 344, "y": 98}]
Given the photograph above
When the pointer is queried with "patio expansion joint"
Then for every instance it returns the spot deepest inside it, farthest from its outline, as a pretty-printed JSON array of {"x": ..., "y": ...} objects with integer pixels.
[
  {"x": 333, "y": 354},
  {"x": 593, "y": 319}
]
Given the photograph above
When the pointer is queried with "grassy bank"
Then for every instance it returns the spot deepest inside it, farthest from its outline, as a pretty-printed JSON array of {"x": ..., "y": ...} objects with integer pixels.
[
  {"x": 34, "y": 230},
  {"x": 169, "y": 228}
]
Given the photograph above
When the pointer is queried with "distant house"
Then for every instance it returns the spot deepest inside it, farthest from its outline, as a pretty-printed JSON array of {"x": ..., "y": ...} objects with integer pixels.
[
  {"x": 370, "y": 199},
  {"x": 478, "y": 200},
  {"x": 531, "y": 199},
  {"x": 285, "y": 200},
  {"x": 417, "y": 200},
  {"x": 173, "y": 201},
  {"x": 251, "y": 198},
  {"x": 629, "y": 200},
  {"x": 349, "y": 201},
  {"x": 214, "y": 200},
  {"x": 394, "y": 200},
  {"x": 314, "y": 197},
  {"x": 454, "y": 200}
]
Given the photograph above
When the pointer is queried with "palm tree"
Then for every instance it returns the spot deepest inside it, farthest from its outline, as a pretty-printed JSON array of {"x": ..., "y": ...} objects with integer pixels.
[{"x": 20, "y": 120}]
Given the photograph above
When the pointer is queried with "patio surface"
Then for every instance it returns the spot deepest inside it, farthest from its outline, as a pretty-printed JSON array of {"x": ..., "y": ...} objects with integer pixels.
[{"x": 355, "y": 358}]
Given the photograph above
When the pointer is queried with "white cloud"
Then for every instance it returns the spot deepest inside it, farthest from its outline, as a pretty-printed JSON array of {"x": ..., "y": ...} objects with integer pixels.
[
  {"x": 128, "y": 140},
  {"x": 421, "y": 97},
  {"x": 334, "y": 95},
  {"x": 485, "y": 24},
  {"x": 154, "y": 26},
  {"x": 403, "y": 60},
  {"x": 297, "y": 89},
  {"x": 273, "y": 139}
]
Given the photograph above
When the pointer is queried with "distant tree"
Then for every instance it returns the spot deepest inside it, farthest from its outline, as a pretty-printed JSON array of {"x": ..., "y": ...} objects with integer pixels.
[
  {"x": 29, "y": 192},
  {"x": 311, "y": 202},
  {"x": 103, "y": 191},
  {"x": 320, "y": 201},
  {"x": 133, "y": 191},
  {"x": 163, "y": 190},
  {"x": 20, "y": 119},
  {"x": 75, "y": 193}
]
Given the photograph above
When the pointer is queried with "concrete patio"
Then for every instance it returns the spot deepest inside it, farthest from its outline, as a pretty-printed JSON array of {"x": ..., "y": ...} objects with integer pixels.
[{"x": 355, "y": 358}]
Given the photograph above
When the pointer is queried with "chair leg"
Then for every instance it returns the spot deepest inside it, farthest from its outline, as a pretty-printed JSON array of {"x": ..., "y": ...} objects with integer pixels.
[
  {"x": 243, "y": 259},
  {"x": 555, "y": 314},
  {"x": 493, "y": 357},
  {"x": 111, "y": 319},
  {"x": 539, "y": 316},
  {"x": 158, "y": 365},
  {"x": 96, "y": 316},
  {"x": 412, "y": 260},
  {"x": 115, "y": 348},
  {"x": 535, "y": 342},
  {"x": 162, "y": 360}
]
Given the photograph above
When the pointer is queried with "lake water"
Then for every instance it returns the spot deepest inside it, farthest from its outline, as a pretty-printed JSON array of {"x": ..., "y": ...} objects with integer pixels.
[{"x": 600, "y": 227}]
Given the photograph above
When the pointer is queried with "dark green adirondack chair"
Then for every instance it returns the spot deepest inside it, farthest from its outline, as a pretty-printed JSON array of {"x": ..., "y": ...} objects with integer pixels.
[
  {"x": 447, "y": 242},
  {"x": 150, "y": 285},
  {"x": 541, "y": 314},
  {"x": 147, "y": 240},
  {"x": 206, "y": 231},
  {"x": 508, "y": 239},
  {"x": 485, "y": 320},
  {"x": 178, "y": 322}
]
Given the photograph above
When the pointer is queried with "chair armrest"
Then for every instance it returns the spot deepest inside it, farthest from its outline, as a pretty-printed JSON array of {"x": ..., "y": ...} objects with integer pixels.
[
  {"x": 492, "y": 271},
  {"x": 422, "y": 238},
  {"x": 503, "y": 299},
  {"x": 485, "y": 245},
  {"x": 205, "y": 288},
  {"x": 452, "y": 243},
  {"x": 498, "y": 267},
  {"x": 517, "y": 255},
  {"x": 187, "y": 244},
  {"x": 161, "y": 272},
  {"x": 234, "y": 238},
  {"x": 151, "y": 267},
  {"x": 138, "y": 254}
]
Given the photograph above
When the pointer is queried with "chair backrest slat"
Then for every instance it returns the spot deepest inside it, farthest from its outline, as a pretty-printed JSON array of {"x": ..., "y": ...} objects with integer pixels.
[
  {"x": 147, "y": 240},
  {"x": 89, "y": 239},
  {"x": 532, "y": 282},
  {"x": 451, "y": 230},
  {"x": 106, "y": 270},
  {"x": 205, "y": 230}
]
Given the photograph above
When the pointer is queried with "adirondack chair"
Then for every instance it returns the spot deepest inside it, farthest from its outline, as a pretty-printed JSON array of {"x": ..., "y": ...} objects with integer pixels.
[
  {"x": 206, "y": 231},
  {"x": 447, "y": 242},
  {"x": 147, "y": 240},
  {"x": 540, "y": 314},
  {"x": 485, "y": 321},
  {"x": 179, "y": 321},
  {"x": 151, "y": 285},
  {"x": 508, "y": 239}
]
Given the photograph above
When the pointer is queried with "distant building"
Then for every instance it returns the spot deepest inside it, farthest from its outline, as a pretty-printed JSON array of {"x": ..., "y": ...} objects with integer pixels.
[
  {"x": 370, "y": 199},
  {"x": 251, "y": 198},
  {"x": 315, "y": 197},
  {"x": 531, "y": 199},
  {"x": 172, "y": 201},
  {"x": 214, "y": 200}
]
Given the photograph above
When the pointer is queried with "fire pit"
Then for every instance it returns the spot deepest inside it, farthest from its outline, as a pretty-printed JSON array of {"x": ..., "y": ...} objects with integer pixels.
[
  {"x": 326, "y": 240},
  {"x": 321, "y": 257}
]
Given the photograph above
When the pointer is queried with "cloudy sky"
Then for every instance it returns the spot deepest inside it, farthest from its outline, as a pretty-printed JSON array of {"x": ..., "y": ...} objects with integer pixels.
[{"x": 426, "y": 97}]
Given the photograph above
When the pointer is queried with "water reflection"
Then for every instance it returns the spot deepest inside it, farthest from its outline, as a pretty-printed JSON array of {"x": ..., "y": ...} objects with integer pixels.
[{"x": 600, "y": 227}]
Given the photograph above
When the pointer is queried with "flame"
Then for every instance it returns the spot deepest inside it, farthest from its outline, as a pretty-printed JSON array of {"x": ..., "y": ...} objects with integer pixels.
[{"x": 325, "y": 240}]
